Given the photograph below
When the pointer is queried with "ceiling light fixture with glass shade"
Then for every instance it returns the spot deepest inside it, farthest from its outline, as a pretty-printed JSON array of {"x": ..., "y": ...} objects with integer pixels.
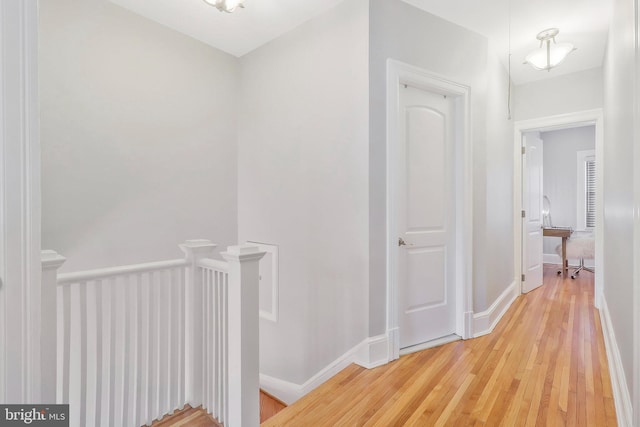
[
  {"x": 225, "y": 5},
  {"x": 548, "y": 55}
]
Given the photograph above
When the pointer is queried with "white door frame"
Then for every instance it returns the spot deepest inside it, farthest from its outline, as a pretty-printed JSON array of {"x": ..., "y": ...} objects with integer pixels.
[
  {"x": 21, "y": 363},
  {"x": 400, "y": 73},
  {"x": 636, "y": 224},
  {"x": 562, "y": 121}
]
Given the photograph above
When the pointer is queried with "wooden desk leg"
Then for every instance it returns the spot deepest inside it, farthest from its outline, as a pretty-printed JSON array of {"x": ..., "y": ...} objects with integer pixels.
[{"x": 565, "y": 263}]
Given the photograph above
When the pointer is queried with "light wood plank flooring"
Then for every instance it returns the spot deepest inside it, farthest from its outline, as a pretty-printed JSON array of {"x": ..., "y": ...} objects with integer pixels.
[
  {"x": 198, "y": 417},
  {"x": 191, "y": 417},
  {"x": 544, "y": 365}
]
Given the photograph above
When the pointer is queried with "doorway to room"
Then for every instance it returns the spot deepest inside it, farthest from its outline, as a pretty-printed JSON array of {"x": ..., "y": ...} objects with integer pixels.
[{"x": 530, "y": 204}]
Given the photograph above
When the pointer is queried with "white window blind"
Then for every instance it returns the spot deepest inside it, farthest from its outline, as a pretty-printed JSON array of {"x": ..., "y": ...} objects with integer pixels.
[{"x": 590, "y": 192}]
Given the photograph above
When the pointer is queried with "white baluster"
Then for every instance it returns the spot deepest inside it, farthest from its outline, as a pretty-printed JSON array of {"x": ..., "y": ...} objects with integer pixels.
[
  {"x": 100, "y": 336},
  {"x": 194, "y": 250},
  {"x": 155, "y": 346},
  {"x": 145, "y": 365},
  {"x": 82, "y": 342},
  {"x": 174, "y": 341},
  {"x": 134, "y": 348},
  {"x": 92, "y": 391}
]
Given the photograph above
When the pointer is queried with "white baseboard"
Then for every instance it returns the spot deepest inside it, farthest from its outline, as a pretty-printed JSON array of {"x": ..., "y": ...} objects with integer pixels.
[
  {"x": 370, "y": 353},
  {"x": 484, "y": 322},
  {"x": 373, "y": 352},
  {"x": 621, "y": 395},
  {"x": 286, "y": 391}
]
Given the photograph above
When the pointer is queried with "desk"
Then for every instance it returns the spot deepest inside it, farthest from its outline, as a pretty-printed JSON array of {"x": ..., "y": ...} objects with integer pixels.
[{"x": 564, "y": 233}]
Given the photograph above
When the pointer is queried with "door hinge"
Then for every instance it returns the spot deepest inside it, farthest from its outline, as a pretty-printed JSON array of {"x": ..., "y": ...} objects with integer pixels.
[
  {"x": 524, "y": 150},
  {"x": 523, "y": 277},
  {"x": 524, "y": 214}
]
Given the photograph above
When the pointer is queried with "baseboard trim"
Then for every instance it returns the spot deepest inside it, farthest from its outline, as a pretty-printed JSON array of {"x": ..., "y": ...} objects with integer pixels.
[
  {"x": 370, "y": 353},
  {"x": 557, "y": 259},
  {"x": 621, "y": 395},
  {"x": 484, "y": 322},
  {"x": 285, "y": 391},
  {"x": 373, "y": 352}
]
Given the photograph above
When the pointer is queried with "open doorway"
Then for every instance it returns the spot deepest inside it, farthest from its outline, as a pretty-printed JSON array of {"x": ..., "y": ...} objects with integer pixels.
[
  {"x": 559, "y": 200},
  {"x": 527, "y": 251}
]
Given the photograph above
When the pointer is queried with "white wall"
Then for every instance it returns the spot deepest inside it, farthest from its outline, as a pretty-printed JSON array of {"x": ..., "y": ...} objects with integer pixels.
[
  {"x": 558, "y": 95},
  {"x": 498, "y": 239},
  {"x": 138, "y": 137},
  {"x": 619, "y": 258},
  {"x": 302, "y": 179},
  {"x": 410, "y": 35},
  {"x": 560, "y": 165}
]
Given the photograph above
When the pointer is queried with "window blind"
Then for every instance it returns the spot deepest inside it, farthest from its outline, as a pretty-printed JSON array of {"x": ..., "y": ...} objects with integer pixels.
[{"x": 590, "y": 196}]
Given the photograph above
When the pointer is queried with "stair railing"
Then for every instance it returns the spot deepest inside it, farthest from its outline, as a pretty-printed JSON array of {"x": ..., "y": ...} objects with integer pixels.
[{"x": 130, "y": 344}]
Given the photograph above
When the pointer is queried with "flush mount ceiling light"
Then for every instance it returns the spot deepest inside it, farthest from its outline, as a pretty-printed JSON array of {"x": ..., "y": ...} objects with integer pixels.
[
  {"x": 548, "y": 55},
  {"x": 225, "y": 5}
]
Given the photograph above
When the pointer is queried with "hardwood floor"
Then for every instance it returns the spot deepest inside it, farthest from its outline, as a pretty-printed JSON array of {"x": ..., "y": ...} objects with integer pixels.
[
  {"x": 269, "y": 406},
  {"x": 197, "y": 417},
  {"x": 544, "y": 365},
  {"x": 191, "y": 417}
]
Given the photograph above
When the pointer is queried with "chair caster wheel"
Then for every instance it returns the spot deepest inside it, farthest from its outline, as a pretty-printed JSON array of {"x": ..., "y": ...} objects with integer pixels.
[
  {"x": 559, "y": 272},
  {"x": 573, "y": 276}
]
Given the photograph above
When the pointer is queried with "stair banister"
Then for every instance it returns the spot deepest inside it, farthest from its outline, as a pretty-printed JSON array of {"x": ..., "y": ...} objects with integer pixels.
[
  {"x": 244, "y": 339},
  {"x": 51, "y": 262}
]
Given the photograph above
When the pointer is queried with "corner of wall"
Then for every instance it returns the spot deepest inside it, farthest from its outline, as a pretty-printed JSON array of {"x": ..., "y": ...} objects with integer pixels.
[
  {"x": 370, "y": 353},
  {"x": 485, "y": 322}
]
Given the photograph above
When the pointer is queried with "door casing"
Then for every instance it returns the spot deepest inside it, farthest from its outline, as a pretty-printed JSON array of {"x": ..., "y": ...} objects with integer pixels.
[
  {"x": 563, "y": 121},
  {"x": 399, "y": 73}
]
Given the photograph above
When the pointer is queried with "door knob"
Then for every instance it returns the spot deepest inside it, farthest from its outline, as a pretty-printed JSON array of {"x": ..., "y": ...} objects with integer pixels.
[{"x": 401, "y": 242}]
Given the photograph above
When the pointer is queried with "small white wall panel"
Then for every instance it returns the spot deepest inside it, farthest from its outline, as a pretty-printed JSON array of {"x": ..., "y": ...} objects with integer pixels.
[{"x": 269, "y": 281}]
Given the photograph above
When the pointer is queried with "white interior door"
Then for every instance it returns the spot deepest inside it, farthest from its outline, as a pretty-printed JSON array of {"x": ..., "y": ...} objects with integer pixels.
[
  {"x": 532, "y": 193},
  {"x": 426, "y": 217}
]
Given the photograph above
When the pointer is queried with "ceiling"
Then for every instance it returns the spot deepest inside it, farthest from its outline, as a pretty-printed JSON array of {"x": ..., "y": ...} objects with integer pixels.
[{"x": 581, "y": 22}]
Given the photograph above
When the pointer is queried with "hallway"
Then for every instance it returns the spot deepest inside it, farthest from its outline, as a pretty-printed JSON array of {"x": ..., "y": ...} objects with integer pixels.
[{"x": 544, "y": 364}]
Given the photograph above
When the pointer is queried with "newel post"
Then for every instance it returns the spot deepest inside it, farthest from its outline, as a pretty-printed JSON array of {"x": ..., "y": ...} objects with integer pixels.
[
  {"x": 51, "y": 262},
  {"x": 244, "y": 339},
  {"x": 194, "y": 251}
]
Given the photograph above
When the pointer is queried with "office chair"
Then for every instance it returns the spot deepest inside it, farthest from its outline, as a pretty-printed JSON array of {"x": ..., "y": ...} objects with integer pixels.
[{"x": 581, "y": 245}]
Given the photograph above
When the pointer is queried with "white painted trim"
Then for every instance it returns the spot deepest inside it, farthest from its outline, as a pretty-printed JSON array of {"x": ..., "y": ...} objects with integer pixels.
[
  {"x": 285, "y": 391},
  {"x": 370, "y": 353},
  {"x": 562, "y": 121},
  {"x": 636, "y": 220},
  {"x": 573, "y": 262},
  {"x": 21, "y": 362},
  {"x": 621, "y": 395},
  {"x": 373, "y": 352},
  {"x": 485, "y": 322},
  {"x": 399, "y": 73}
]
